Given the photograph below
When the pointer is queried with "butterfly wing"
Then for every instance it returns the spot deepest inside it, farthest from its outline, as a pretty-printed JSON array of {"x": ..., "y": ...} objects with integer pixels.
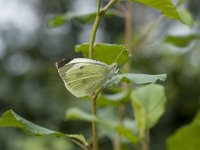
[{"x": 82, "y": 79}]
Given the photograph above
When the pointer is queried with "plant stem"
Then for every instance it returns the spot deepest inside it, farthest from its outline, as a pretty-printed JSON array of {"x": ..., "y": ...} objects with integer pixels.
[
  {"x": 93, "y": 34},
  {"x": 84, "y": 147},
  {"x": 128, "y": 27},
  {"x": 94, "y": 127},
  {"x": 145, "y": 36},
  {"x": 128, "y": 43},
  {"x": 145, "y": 141},
  {"x": 94, "y": 96},
  {"x": 100, "y": 13},
  {"x": 94, "y": 29}
]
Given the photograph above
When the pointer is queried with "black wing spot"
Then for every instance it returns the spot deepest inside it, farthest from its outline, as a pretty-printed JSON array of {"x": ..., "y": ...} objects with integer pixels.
[
  {"x": 81, "y": 67},
  {"x": 62, "y": 62},
  {"x": 79, "y": 74},
  {"x": 84, "y": 81}
]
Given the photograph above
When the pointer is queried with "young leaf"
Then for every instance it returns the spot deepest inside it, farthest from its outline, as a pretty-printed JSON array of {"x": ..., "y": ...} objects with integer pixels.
[
  {"x": 181, "y": 40},
  {"x": 186, "y": 17},
  {"x": 107, "y": 53},
  {"x": 11, "y": 119},
  {"x": 82, "y": 18},
  {"x": 136, "y": 78},
  {"x": 165, "y": 6},
  {"x": 187, "y": 137},
  {"x": 148, "y": 103},
  {"x": 77, "y": 114},
  {"x": 61, "y": 19},
  {"x": 113, "y": 99},
  {"x": 56, "y": 21}
]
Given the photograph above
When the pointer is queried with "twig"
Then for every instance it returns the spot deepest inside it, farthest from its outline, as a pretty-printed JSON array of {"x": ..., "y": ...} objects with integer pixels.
[
  {"x": 140, "y": 42},
  {"x": 94, "y": 128},
  {"x": 100, "y": 13},
  {"x": 145, "y": 141},
  {"x": 80, "y": 144},
  {"x": 128, "y": 43}
]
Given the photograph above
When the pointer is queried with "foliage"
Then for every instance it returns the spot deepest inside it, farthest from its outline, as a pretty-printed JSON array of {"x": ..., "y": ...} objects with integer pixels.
[
  {"x": 112, "y": 52},
  {"x": 147, "y": 101},
  {"x": 77, "y": 114},
  {"x": 82, "y": 18},
  {"x": 11, "y": 119},
  {"x": 190, "y": 132},
  {"x": 181, "y": 40},
  {"x": 165, "y": 6},
  {"x": 136, "y": 78}
]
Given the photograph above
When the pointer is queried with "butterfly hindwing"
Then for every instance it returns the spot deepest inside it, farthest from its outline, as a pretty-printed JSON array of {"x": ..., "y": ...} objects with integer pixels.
[
  {"x": 82, "y": 79},
  {"x": 83, "y": 76}
]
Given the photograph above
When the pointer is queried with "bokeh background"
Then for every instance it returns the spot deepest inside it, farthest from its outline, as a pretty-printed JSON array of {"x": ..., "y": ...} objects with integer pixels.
[{"x": 31, "y": 86}]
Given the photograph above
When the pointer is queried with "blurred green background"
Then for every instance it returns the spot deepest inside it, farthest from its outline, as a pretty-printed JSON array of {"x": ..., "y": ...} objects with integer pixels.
[{"x": 31, "y": 86}]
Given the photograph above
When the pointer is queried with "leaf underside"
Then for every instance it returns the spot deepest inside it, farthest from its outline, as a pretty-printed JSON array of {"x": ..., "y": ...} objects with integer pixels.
[{"x": 11, "y": 119}]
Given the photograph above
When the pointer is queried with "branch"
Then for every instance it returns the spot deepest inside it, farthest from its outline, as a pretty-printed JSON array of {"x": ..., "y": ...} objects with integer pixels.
[{"x": 100, "y": 13}]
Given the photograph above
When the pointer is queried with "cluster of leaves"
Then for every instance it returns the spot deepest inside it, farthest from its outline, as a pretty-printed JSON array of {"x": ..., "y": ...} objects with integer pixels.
[
  {"x": 147, "y": 101},
  {"x": 165, "y": 6},
  {"x": 191, "y": 132}
]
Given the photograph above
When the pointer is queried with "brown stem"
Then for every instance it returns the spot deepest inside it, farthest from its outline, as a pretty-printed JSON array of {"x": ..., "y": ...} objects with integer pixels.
[
  {"x": 128, "y": 43},
  {"x": 145, "y": 141},
  {"x": 140, "y": 42},
  {"x": 94, "y": 127},
  {"x": 100, "y": 13},
  {"x": 128, "y": 27}
]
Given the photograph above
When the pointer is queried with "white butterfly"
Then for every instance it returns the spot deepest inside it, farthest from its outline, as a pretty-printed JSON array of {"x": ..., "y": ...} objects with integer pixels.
[{"x": 84, "y": 76}]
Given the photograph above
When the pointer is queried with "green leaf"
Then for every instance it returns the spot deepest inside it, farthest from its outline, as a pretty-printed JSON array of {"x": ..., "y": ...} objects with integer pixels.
[
  {"x": 136, "y": 78},
  {"x": 187, "y": 137},
  {"x": 11, "y": 119},
  {"x": 77, "y": 114},
  {"x": 181, "y": 40},
  {"x": 148, "y": 103},
  {"x": 126, "y": 132},
  {"x": 56, "y": 21},
  {"x": 186, "y": 17},
  {"x": 107, "y": 53},
  {"x": 165, "y": 6},
  {"x": 61, "y": 19},
  {"x": 180, "y": 2},
  {"x": 82, "y": 18},
  {"x": 113, "y": 99}
]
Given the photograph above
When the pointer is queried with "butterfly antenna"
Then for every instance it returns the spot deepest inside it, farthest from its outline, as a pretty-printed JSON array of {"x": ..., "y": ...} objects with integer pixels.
[
  {"x": 119, "y": 55},
  {"x": 117, "y": 73}
]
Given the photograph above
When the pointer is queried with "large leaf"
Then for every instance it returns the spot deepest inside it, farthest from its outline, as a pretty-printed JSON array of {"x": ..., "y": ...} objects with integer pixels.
[
  {"x": 181, "y": 40},
  {"x": 148, "y": 103},
  {"x": 187, "y": 137},
  {"x": 107, "y": 53},
  {"x": 136, "y": 78},
  {"x": 165, "y": 6},
  {"x": 11, "y": 119},
  {"x": 77, "y": 114},
  {"x": 113, "y": 99}
]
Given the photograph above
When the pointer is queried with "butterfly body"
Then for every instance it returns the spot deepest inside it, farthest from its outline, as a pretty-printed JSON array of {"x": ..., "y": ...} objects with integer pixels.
[{"x": 84, "y": 76}]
